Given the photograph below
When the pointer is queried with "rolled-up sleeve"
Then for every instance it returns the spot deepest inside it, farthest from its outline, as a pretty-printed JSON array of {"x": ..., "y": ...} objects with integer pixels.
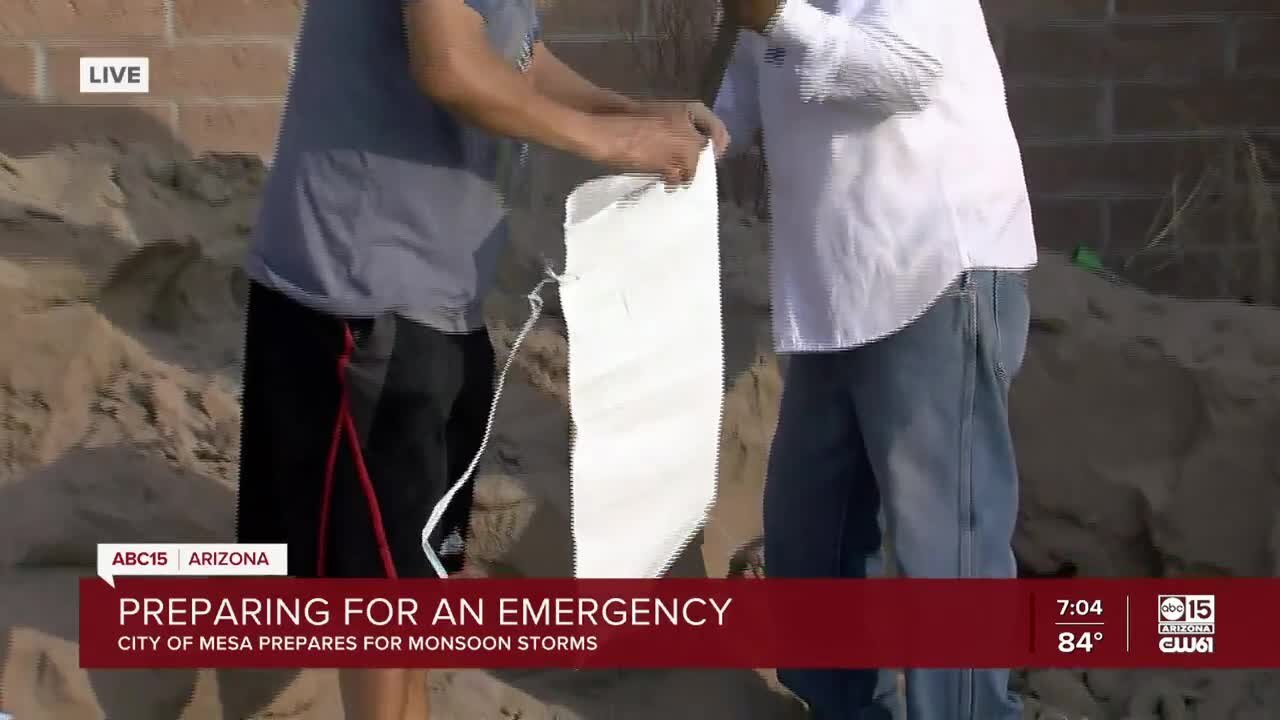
[{"x": 872, "y": 58}]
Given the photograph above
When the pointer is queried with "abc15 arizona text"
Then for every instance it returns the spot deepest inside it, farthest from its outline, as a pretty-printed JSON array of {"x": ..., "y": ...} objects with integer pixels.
[{"x": 1186, "y": 623}]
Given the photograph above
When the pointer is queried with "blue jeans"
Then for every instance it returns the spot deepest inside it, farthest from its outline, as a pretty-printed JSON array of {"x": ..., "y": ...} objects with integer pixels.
[{"x": 914, "y": 427}]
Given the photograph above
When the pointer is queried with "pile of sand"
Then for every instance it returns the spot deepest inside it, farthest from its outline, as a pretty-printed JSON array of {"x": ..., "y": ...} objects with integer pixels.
[{"x": 121, "y": 297}]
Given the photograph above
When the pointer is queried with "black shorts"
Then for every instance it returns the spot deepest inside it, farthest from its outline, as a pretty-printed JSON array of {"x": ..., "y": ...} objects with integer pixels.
[{"x": 418, "y": 400}]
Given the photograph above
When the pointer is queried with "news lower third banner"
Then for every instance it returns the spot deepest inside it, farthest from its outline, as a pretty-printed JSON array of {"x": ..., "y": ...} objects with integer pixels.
[{"x": 261, "y": 622}]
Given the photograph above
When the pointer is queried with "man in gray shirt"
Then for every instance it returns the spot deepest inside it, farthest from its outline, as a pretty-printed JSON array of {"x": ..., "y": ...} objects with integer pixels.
[{"x": 368, "y": 373}]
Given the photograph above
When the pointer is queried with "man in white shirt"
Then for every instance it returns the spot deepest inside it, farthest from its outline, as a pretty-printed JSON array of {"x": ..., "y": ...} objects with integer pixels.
[{"x": 901, "y": 227}]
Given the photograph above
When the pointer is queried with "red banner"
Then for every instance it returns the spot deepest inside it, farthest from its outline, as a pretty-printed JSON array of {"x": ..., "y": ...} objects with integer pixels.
[{"x": 281, "y": 622}]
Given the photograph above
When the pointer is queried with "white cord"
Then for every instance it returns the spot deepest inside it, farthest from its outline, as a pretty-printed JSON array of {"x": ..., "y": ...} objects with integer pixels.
[{"x": 437, "y": 513}]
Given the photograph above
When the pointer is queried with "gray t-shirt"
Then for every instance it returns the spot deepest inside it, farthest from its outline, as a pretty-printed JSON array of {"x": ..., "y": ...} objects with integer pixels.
[{"x": 379, "y": 200}]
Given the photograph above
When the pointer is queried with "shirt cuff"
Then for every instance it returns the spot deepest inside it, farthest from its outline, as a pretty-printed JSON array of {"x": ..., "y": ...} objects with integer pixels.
[{"x": 794, "y": 23}]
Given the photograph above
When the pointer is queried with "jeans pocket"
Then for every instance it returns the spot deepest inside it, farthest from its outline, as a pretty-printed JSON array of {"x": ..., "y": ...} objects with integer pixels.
[{"x": 1011, "y": 306}]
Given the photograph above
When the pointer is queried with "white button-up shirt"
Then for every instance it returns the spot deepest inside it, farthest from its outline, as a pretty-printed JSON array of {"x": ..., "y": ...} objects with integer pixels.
[{"x": 893, "y": 165}]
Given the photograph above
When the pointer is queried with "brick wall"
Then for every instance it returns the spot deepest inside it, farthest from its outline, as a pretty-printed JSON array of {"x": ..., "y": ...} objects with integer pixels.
[
  {"x": 1124, "y": 107},
  {"x": 218, "y": 68}
]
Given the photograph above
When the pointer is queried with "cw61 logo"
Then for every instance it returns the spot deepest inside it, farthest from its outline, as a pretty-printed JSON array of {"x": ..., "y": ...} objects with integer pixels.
[
  {"x": 1186, "y": 624},
  {"x": 1187, "y": 608}
]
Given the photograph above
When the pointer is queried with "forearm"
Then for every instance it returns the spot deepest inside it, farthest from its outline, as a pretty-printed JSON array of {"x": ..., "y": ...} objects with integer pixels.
[{"x": 507, "y": 105}]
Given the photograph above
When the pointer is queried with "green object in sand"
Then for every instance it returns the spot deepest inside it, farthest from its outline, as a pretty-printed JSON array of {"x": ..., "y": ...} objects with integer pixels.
[{"x": 1088, "y": 259}]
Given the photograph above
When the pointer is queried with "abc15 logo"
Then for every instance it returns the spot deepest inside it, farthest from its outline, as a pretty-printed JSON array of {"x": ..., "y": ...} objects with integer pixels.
[{"x": 1187, "y": 608}]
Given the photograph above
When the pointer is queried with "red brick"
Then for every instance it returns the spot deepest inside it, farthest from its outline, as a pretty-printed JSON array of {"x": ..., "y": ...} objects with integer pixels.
[
  {"x": 1129, "y": 167},
  {"x": 1133, "y": 222},
  {"x": 1265, "y": 153},
  {"x": 1165, "y": 51},
  {"x": 626, "y": 17},
  {"x": 1003, "y": 10},
  {"x": 669, "y": 60},
  {"x": 1196, "y": 274},
  {"x": 249, "y": 128},
  {"x": 631, "y": 67},
  {"x": 17, "y": 71},
  {"x": 688, "y": 22},
  {"x": 1197, "y": 106},
  {"x": 33, "y": 128},
  {"x": 1038, "y": 52},
  {"x": 1233, "y": 226},
  {"x": 1257, "y": 219},
  {"x": 1063, "y": 224},
  {"x": 1203, "y": 222},
  {"x": 1274, "y": 276},
  {"x": 1259, "y": 46},
  {"x": 596, "y": 17},
  {"x": 83, "y": 18},
  {"x": 236, "y": 17},
  {"x": 1243, "y": 276},
  {"x": 1258, "y": 178},
  {"x": 186, "y": 71},
  {"x": 1127, "y": 52},
  {"x": 1191, "y": 7},
  {"x": 1053, "y": 112}
]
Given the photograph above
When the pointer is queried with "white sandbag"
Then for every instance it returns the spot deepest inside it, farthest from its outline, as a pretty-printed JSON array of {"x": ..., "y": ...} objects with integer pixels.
[{"x": 641, "y": 298}]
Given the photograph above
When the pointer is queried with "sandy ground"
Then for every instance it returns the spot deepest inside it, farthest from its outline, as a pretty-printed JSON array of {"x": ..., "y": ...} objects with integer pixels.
[{"x": 121, "y": 296}]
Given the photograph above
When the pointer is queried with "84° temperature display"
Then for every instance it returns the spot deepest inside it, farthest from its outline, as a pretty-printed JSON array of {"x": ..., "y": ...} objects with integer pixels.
[{"x": 1072, "y": 641}]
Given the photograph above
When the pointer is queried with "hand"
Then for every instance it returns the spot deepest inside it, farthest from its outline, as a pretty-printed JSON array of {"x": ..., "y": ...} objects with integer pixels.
[
  {"x": 752, "y": 14},
  {"x": 666, "y": 144},
  {"x": 699, "y": 114}
]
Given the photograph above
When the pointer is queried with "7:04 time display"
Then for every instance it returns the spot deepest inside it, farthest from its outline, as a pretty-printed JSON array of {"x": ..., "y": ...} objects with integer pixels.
[{"x": 1080, "y": 608}]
